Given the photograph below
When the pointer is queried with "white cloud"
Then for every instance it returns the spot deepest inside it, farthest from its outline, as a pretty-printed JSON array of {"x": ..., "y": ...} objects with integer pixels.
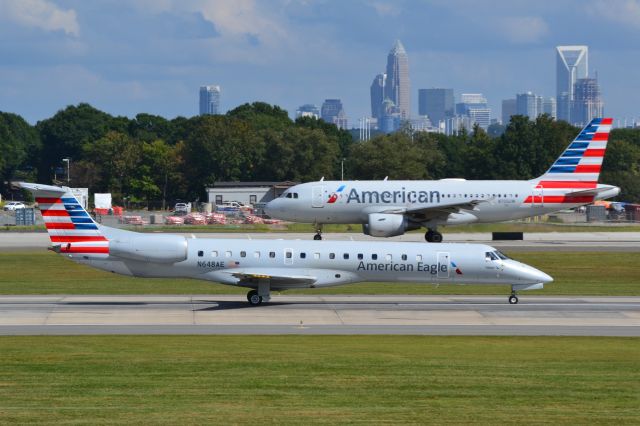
[
  {"x": 523, "y": 29},
  {"x": 385, "y": 9},
  {"x": 41, "y": 14},
  {"x": 626, "y": 12}
]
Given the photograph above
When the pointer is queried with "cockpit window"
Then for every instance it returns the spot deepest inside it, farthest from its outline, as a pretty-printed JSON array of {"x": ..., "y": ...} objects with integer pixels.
[
  {"x": 490, "y": 256},
  {"x": 289, "y": 195},
  {"x": 295, "y": 195},
  {"x": 501, "y": 255}
]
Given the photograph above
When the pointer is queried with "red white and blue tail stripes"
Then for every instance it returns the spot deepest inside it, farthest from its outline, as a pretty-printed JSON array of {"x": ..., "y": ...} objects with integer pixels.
[
  {"x": 582, "y": 160},
  {"x": 576, "y": 170},
  {"x": 70, "y": 226}
]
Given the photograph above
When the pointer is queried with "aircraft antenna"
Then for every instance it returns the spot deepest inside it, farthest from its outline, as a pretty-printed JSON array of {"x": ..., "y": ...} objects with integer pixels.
[
  {"x": 322, "y": 179},
  {"x": 386, "y": 177}
]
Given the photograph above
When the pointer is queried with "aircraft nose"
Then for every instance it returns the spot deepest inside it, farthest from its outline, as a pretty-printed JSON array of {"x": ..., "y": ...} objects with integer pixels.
[{"x": 530, "y": 274}]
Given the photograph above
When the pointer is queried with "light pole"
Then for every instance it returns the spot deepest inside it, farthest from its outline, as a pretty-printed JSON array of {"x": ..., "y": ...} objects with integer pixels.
[
  {"x": 68, "y": 161},
  {"x": 342, "y": 169}
]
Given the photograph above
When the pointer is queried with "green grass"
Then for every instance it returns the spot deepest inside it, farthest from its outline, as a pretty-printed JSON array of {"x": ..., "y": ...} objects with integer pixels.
[
  {"x": 319, "y": 380},
  {"x": 575, "y": 273}
]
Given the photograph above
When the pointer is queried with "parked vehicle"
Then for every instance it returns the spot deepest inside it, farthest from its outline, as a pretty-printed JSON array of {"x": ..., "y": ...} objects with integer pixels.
[{"x": 14, "y": 205}]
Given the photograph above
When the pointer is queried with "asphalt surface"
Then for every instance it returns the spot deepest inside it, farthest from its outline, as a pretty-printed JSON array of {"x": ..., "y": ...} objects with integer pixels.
[
  {"x": 543, "y": 241},
  {"x": 419, "y": 315}
]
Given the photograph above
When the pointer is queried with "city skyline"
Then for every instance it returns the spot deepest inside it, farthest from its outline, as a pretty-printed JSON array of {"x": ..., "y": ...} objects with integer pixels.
[{"x": 146, "y": 56}]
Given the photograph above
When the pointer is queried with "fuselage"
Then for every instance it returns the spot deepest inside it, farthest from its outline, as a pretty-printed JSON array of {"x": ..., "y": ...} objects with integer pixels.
[
  {"x": 345, "y": 202},
  {"x": 331, "y": 263}
]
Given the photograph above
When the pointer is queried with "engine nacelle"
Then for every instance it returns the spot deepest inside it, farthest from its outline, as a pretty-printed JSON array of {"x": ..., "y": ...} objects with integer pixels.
[
  {"x": 385, "y": 225},
  {"x": 150, "y": 248}
]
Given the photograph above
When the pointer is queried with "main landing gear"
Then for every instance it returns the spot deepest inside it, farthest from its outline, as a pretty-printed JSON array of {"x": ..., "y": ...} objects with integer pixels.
[
  {"x": 433, "y": 236},
  {"x": 261, "y": 294}
]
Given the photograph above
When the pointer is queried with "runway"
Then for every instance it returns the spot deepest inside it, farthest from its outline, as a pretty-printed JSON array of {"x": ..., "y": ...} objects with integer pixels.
[
  {"x": 415, "y": 315},
  {"x": 534, "y": 241}
]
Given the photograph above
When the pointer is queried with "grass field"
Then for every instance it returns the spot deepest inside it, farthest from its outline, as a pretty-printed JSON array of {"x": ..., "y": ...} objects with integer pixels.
[
  {"x": 319, "y": 380},
  {"x": 579, "y": 273}
]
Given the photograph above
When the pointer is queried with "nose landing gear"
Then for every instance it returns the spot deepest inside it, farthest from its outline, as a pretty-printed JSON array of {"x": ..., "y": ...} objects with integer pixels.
[{"x": 513, "y": 299}]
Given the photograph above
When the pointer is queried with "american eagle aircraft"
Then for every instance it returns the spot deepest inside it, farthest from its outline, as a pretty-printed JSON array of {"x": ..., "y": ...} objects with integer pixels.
[
  {"x": 266, "y": 265},
  {"x": 390, "y": 207}
]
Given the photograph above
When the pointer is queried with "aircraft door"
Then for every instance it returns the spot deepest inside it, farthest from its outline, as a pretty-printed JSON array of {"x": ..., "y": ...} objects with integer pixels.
[
  {"x": 537, "y": 196},
  {"x": 317, "y": 196},
  {"x": 444, "y": 264},
  {"x": 288, "y": 256}
]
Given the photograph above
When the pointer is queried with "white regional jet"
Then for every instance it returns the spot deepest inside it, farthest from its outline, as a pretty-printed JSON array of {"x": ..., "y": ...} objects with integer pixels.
[
  {"x": 265, "y": 265},
  {"x": 389, "y": 207}
]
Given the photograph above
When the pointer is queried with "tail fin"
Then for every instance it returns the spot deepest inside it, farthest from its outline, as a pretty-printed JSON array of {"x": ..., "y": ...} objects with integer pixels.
[
  {"x": 579, "y": 165},
  {"x": 71, "y": 229}
]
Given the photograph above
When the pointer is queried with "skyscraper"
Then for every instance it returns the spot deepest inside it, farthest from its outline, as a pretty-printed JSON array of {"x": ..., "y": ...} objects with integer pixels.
[
  {"x": 377, "y": 96},
  {"x": 437, "y": 104},
  {"x": 397, "y": 87},
  {"x": 587, "y": 102},
  {"x": 474, "y": 105},
  {"x": 549, "y": 107},
  {"x": 572, "y": 63},
  {"x": 508, "y": 109},
  {"x": 333, "y": 112},
  {"x": 308, "y": 110},
  {"x": 209, "y": 100},
  {"x": 529, "y": 104}
]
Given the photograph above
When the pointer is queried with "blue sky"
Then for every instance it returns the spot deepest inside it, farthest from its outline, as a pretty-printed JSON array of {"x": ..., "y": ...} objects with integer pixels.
[{"x": 126, "y": 57}]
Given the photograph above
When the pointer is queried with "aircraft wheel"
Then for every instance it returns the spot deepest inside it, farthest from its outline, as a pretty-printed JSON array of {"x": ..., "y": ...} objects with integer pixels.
[
  {"x": 253, "y": 298},
  {"x": 429, "y": 236},
  {"x": 436, "y": 237},
  {"x": 317, "y": 237},
  {"x": 513, "y": 299}
]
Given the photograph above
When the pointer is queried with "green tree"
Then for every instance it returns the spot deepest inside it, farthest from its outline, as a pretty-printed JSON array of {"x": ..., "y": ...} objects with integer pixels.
[{"x": 19, "y": 146}]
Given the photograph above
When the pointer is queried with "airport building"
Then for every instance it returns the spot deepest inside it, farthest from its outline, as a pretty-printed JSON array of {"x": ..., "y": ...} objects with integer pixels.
[{"x": 254, "y": 193}]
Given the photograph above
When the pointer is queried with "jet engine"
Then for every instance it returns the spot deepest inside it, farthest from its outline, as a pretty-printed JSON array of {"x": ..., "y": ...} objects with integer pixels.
[
  {"x": 385, "y": 225},
  {"x": 150, "y": 248}
]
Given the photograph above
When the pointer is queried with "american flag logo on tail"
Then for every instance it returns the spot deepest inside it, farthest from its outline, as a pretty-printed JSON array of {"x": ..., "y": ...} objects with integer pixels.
[
  {"x": 71, "y": 229},
  {"x": 577, "y": 170}
]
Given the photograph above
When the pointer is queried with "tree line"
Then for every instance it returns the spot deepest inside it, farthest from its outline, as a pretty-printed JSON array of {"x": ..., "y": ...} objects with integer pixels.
[{"x": 149, "y": 159}]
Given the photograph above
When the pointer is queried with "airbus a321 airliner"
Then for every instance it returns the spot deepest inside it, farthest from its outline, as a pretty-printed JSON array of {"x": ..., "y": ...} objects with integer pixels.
[
  {"x": 388, "y": 208},
  {"x": 265, "y": 265}
]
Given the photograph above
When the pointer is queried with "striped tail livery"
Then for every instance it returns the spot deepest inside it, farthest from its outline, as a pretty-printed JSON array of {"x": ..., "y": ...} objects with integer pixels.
[
  {"x": 573, "y": 177},
  {"x": 71, "y": 229}
]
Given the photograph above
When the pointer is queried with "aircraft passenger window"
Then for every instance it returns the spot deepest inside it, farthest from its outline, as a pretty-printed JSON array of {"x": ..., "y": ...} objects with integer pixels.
[
  {"x": 316, "y": 256},
  {"x": 360, "y": 256},
  {"x": 345, "y": 256},
  {"x": 288, "y": 254},
  {"x": 256, "y": 254},
  {"x": 303, "y": 255},
  {"x": 419, "y": 257},
  {"x": 332, "y": 255},
  {"x": 227, "y": 254},
  {"x": 374, "y": 257},
  {"x": 404, "y": 257},
  {"x": 388, "y": 257},
  {"x": 272, "y": 254},
  {"x": 200, "y": 253},
  {"x": 214, "y": 253},
  {"x": 243, "y": 254}
]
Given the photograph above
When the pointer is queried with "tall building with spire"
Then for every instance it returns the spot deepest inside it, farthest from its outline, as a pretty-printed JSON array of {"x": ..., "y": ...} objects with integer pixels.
[
  {"x": 397, "y": 87},
  {"x": 572, "y": 63}
]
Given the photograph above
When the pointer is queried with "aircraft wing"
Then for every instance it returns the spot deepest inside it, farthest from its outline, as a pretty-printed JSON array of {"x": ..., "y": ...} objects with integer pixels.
[
  {"x": 423, "y": 213},
  {"x": 275, "y": 279}
]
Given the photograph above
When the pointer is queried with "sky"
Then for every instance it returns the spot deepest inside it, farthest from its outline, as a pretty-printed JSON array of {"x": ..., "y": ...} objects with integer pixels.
[{"x": 127, "y": 57}]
